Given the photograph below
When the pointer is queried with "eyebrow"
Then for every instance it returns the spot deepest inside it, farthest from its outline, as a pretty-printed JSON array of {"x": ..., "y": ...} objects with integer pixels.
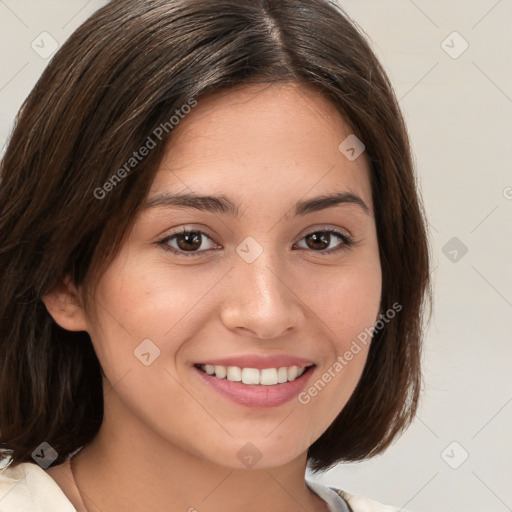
[{"x": 225, "y": 205}]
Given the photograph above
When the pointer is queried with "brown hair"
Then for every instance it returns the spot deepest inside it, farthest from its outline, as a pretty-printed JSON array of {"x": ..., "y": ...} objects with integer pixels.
[{"x": 125, "y": 71}]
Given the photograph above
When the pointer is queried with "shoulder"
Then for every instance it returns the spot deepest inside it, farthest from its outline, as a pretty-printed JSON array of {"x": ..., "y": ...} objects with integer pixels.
[
  {"x": 360, "y": 503},
  {"x": 343, "y": 501},
  {"x": 26, "y": 487}
]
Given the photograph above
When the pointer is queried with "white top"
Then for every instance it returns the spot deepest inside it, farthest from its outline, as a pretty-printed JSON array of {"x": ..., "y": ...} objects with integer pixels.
[{"x": 28, "y": 488}]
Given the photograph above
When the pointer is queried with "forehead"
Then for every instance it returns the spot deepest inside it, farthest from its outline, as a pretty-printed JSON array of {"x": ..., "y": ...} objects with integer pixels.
[{"x": 262, "y": 142}]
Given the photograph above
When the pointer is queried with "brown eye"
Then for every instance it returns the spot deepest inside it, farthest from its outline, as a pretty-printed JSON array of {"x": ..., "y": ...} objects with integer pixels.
[
  {"x": 186, "y": 242},
  {"x": 320, "y": 240},
  {"x": 190, "y": 241}
]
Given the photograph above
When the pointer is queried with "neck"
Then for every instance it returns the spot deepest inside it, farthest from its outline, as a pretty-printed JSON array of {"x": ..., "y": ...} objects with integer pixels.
[{"x": 129, "y": 468}]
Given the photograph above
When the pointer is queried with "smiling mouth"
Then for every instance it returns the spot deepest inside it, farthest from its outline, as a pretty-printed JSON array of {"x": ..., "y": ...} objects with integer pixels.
[{"x": 255, "y": 376}]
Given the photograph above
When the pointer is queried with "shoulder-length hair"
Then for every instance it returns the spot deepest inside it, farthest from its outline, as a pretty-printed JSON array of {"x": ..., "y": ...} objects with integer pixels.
[{"x": 130, "y": 67}]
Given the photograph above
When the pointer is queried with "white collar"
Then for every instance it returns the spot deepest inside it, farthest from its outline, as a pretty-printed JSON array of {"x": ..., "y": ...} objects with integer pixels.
[{"x": 334, "y": 501}]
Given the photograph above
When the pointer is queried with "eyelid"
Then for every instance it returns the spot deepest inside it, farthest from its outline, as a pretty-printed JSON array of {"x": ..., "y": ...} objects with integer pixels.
[
  {"x": 185, "y": 229},
  {"x": 347, "y": 240},
  {"x": 311, "y": 229},
  {"x": 325, "y": 227}
]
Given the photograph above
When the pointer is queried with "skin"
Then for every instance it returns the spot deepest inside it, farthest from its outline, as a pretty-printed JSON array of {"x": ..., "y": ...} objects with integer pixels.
[{"x": 167, "y": 438}]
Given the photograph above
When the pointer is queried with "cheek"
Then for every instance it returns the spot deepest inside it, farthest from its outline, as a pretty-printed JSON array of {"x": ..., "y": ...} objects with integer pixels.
[
  {"x": 357, "y": 305},
  {"x": 346, "y": 301},
  {"x": 135, "y": 304},
  {"x": 347, "y": 305},
  {"x": 150, "y": 303}
]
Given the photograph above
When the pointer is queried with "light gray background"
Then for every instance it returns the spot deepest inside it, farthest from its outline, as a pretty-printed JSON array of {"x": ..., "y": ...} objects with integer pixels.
[{"x": 459, "y": 115}]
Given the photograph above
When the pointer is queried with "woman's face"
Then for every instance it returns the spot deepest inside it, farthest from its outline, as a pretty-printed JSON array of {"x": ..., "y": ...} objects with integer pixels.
[{"x": 267, "y": 287}]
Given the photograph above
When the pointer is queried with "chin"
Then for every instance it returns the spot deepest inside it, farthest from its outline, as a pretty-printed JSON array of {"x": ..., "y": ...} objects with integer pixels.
[{"x": 258, "y": 453}]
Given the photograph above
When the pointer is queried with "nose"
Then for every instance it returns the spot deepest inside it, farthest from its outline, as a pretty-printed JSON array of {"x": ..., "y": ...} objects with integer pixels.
[{"x": 260, "y": 300}]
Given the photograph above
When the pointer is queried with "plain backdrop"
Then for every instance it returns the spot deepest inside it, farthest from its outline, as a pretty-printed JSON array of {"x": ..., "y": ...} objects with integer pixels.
[{"x": 450, "y": 64}]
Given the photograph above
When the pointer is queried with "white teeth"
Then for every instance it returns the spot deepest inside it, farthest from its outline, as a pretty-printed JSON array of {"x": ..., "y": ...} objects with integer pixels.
[
  {"x": 254, "y": 376},
  {"x": 250, "y": 376},
  {"x": 234, "y": 374},
  {"x": 268, "y": 376},
  {"x": 282, "y": 374},
  {"x": 292, "y": 373},
  {"x": 220, "y": 371}
]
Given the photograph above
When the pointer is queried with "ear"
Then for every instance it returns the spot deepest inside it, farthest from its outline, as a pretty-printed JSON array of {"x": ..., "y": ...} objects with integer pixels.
[{"x": 64, "y": 305}]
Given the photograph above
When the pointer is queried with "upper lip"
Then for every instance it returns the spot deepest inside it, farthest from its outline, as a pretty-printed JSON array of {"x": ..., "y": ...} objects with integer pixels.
[{"x": 259, "y": 361}]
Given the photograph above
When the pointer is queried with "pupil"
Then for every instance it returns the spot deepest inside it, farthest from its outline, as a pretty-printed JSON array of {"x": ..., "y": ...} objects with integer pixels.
[
  {"x": 190, "y": 238},
  {"x": 322, "y": 238}
]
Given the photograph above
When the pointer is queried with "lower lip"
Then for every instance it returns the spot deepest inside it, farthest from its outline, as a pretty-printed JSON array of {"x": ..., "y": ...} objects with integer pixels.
[{"x": 259, "y": 396}]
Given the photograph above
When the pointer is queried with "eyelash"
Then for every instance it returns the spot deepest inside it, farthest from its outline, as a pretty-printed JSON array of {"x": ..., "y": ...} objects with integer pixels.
[{"x": 347, "y": 240}]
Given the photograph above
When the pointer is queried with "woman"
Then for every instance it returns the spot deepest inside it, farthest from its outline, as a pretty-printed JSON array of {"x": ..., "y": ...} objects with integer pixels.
[{"x": 214, "y": 261}]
